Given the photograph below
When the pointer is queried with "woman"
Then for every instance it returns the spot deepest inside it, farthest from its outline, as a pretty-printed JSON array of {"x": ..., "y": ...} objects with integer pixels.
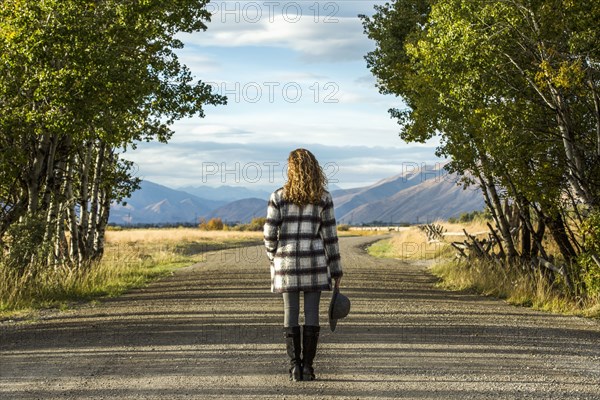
[{"x": 302, "y": 245}]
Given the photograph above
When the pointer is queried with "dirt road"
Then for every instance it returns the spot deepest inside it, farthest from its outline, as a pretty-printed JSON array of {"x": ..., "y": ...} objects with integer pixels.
[{"x": 213, "y": 330}]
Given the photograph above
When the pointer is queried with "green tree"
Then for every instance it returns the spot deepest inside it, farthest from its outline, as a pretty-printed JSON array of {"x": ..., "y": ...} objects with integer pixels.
[
  {"x": 511, "y": 86},
  {"x": 81, "y": 82}
]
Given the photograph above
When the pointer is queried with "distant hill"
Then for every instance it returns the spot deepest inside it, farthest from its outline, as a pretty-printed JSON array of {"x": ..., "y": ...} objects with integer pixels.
[
  {"x": 347, "y": 200},
  {"x": 157, "y": 204},
  {"x": 414, "y": 197},
  {"x": 425, "y": 202},
  {"x": 225, "y": 193},
  {"x": 240, "y": 211}
]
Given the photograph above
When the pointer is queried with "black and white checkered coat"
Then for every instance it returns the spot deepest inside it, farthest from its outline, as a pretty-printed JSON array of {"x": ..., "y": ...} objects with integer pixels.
[{"x": 302, "y": 244}]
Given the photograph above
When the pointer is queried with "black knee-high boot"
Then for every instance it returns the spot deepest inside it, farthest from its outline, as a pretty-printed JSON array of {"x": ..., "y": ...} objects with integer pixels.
[
  {"x": 309, "y": 343},
  {"x": 293, "y": 343}
]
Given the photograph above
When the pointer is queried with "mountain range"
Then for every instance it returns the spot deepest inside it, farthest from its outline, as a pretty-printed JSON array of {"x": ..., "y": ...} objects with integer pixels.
[
  {"x": 225, "y": 193},
  {"x": 157, "y": 204},
  {"x": 416, "y": 196}
]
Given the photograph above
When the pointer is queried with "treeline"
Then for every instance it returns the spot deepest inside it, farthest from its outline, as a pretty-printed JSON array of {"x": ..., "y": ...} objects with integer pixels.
[
  {"x": 466, "y": 217},
  {"x": 80, "y": 83},
  {"x": 217, "y": 224},
  {"x": 512, "y": 88}
]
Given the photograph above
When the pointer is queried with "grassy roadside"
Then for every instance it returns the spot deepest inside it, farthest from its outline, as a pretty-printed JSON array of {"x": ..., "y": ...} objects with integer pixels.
[
  {"x": 530, "y": 290},
  {"x": 133, "y": 258},
  {"x": 408, "y": 244}
]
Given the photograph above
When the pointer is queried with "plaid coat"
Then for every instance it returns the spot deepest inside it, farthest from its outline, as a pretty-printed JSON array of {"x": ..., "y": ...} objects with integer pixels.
[{"x": 302, "y": 244}]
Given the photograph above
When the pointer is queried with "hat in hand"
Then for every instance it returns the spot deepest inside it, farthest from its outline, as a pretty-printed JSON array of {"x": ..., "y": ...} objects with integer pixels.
[{"x": 338, "y": 309}]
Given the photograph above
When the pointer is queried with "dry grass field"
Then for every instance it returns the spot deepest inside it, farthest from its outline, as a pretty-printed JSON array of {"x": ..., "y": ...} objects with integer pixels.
[
  {"x": 170, "y": 245},
  {"x": 176, "y": 235}
]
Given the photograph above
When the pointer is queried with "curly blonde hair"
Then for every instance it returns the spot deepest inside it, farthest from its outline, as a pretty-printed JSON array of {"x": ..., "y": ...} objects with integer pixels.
[{"x": 306, "y": 180}]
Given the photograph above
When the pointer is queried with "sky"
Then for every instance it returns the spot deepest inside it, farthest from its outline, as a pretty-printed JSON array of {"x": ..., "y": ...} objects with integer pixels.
[{"x": 295, "y": 76}]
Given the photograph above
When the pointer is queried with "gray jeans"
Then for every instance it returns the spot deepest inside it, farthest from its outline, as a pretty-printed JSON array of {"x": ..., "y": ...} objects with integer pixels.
[{"x": 291, "y": 308}]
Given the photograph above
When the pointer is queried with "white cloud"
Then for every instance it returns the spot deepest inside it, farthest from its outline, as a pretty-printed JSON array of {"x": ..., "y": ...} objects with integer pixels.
[
  {"x": 200, "y": 64},
  {"x": 247, "y": 133},
  {"x": 340, "y": 41},
  {"x": 351, "y": 97},
  {"x": 300, "y": 77},
  {"x": 367, "y": 81},
  {"x": 196, "y": 163}
]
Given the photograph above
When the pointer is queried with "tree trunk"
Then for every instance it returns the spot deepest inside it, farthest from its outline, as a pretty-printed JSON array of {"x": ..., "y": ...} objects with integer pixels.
[
  {"x": 559, "y": 234},
  {"x": 492, "y": 208},
  {"x": 34, "y": 174},
  {"x": 525, "y": 239},
  {"x": 575, "y": 163},
  {"x": 102, "y": 224},
  {"x": 502, "y": 221},
  {"x": 72, "y": 219},
  {"x": 84, "y": 199},
  {"x": 538, "y": 236},
  {"x": 52, "y": 195},
  {"x": 94, "y": 216}
]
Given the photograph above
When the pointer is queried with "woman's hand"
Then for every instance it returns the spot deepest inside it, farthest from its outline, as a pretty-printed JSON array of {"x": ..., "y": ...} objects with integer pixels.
[{"x": 337, "y": 283}]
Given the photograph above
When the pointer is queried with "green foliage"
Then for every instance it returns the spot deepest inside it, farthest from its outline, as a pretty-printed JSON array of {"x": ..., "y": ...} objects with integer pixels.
[
  {"x": 79, "y": 83},
  {"x": 382, "y": 249},
  {"x": 26, "y": 242},
  {"x": 257, "y": 224},
  {"x": 589, "y": 269},
  {"x": 106, "y": 67},
  {"x": 480, "y": 74},
  {"x": 343, "y": 227},
  {"x": 96, "y": 57}
]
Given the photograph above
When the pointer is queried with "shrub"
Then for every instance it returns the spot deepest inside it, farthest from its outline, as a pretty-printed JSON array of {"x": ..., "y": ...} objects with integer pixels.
[
  {"x": 343, "y": 227},
  {"x": 26, "y": 244},
  {"x": 214, "y": 224},
  {"x": 471, "y": 216},
  {"x": 257, "y": 224}
]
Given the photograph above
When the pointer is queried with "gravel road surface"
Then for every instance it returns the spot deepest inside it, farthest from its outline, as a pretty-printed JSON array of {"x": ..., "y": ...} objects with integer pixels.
[{"x": 213, "y": 330}]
